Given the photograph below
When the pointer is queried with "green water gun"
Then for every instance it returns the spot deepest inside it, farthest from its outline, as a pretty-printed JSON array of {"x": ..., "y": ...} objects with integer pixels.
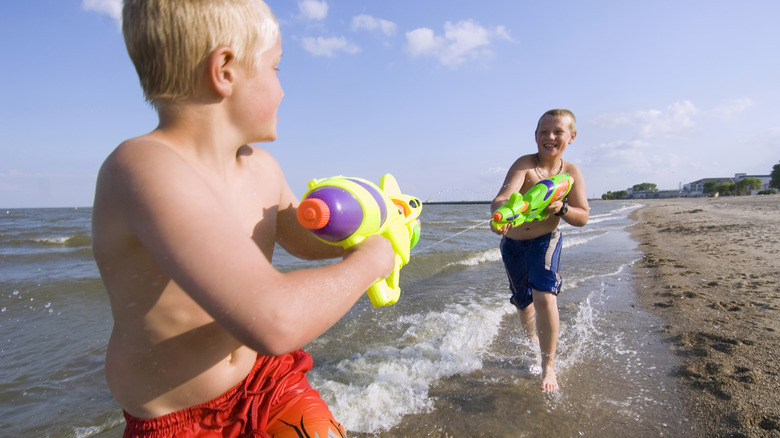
[
  {"x": 526, "y": 208},
  {"x": 345, "y": 210}
]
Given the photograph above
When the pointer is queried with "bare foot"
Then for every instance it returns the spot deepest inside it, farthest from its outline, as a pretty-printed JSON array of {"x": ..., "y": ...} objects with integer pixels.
[{"x": 549, "y": 380}]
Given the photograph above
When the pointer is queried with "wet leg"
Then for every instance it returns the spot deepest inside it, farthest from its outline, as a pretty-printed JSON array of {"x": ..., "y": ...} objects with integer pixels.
[
  {"x": 547, "y": 327},
  {"x": 528, "y": 321}
]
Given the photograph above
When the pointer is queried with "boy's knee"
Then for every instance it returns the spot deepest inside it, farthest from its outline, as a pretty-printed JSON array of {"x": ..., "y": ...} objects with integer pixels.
[{"x": 544, "y": 300}]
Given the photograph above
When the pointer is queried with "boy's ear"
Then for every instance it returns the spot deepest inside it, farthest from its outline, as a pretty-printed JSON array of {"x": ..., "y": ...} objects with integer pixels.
[{"x": 221, "y": 70}]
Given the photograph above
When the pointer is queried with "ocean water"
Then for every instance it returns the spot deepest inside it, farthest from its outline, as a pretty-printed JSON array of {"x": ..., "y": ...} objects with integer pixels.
[{"x": 447, "y": 360}]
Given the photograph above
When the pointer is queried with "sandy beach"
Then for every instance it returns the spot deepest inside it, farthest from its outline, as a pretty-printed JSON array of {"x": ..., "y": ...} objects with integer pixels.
[{"x": 710, "y": 270}]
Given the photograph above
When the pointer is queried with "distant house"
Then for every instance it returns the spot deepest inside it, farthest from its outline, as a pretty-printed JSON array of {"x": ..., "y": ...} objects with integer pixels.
[{"x": 696, "y": 188}]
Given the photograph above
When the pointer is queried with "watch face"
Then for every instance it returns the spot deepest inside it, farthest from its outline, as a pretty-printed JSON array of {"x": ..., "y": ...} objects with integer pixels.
[{"x": 563, "y": 209}]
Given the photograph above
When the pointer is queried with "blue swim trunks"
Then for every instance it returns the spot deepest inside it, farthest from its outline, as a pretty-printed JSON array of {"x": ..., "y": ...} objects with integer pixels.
[{"x": 532, "y": 264}]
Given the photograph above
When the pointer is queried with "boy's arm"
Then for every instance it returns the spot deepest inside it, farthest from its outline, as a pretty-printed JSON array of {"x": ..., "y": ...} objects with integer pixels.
[
  {"x": 513, "y": 182},
  {"x": 578, "y": 209},
  {"x": 197, "y": 239}
]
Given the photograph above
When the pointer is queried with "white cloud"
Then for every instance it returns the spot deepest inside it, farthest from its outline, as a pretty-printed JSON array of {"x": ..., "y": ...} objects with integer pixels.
[
  {"x": 328, "y": 46},
  {"x": 503, "y": 33},
  {"x": 422, "y": 41},
  {"x": 676, "y": 118},
  {"x": 728, "y": 109},
  {"x": 615, "y": 154},
  {"x": 495, "y": 171},
  {"x": 461, "y": 41},
  {"x": 313, "y": 9},
  {"x": 367, "y": 22},
  {"x": 619, "y": 146},
  {"x": 112, "y": 8}
]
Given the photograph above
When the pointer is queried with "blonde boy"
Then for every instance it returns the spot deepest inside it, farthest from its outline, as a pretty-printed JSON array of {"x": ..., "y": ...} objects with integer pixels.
[
  {"x": 531, "y": 251},
  {"x": 207, "y": 334}
]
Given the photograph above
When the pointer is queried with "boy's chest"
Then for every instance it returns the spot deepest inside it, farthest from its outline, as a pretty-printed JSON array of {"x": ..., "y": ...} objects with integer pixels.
[
  {"x": 256, "y": 206},
  {"x": 530, "y": 180}
]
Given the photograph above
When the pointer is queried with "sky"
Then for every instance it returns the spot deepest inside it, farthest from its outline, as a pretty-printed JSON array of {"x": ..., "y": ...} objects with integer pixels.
[{"x": 443, "y": 94}]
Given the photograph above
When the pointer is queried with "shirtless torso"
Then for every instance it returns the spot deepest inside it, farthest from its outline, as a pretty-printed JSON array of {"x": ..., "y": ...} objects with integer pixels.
[{"x": 184, "y": 356}]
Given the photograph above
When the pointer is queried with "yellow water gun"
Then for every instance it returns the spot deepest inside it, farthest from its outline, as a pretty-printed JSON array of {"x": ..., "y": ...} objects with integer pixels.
[
  {"x": 525, "y": 208},
  {"x": 344, "y": 210}
]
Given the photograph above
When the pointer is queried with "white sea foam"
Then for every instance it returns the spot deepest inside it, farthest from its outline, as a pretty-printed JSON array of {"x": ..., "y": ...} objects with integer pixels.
[
  {"x": 575, "y": 282},
  {"x": 53, "y": 240},
  {"x": 490, "y": 255},
  {"x": 394, "y": 380}
]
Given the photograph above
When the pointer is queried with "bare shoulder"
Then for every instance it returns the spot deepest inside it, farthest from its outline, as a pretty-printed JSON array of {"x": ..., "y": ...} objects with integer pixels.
[
  {"x": 516, "y": 176},
  {"x": 524, "y": 163},
  {"x": 130, "y": 169},
  {"x": 579, "y": 179},
  {"x": 571, "y": 169},
  {"x": 258, "y": 159},
  {"x": 514, "y": 180},
  {"x": 134, "y": 185},
  {"x": 138, "y": 158},
  {"x": 578, "y": 196}
]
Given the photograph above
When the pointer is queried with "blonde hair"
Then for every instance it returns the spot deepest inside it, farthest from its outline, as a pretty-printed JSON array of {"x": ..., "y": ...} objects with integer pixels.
[
  {"x": 560, "y": 112},
  {"x": 169, "y": 40}
]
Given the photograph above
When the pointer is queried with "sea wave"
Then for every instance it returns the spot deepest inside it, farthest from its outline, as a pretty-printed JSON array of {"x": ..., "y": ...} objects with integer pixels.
[
  {"x": 37, "y": 241},
  {"x": 372, "y": 390}
]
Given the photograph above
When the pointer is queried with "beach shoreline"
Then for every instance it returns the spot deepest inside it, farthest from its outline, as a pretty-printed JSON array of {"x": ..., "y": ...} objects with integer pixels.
[{"x": 710, "y": 270}]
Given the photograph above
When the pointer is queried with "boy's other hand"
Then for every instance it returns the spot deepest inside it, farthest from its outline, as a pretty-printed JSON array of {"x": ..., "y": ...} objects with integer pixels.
[
  {"x": 554, "y": 207},
  {"x": 500, "y": 231},
  {"x": 379, "y": 250}
]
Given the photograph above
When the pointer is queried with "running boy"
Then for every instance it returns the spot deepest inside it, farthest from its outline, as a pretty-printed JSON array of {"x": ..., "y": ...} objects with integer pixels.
[
  {"x": 207, "y": 334},
  {"x": 531, "y": 251}
]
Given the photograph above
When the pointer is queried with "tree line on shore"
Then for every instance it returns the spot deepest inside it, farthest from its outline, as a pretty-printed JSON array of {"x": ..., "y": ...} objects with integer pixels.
[{"x": 742, "y": 187}]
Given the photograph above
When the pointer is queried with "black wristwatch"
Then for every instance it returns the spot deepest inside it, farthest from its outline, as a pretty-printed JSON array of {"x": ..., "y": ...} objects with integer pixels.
[{"x": 563, "y": 209}]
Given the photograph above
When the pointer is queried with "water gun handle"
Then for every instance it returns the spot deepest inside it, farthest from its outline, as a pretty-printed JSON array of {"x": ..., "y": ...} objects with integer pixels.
[
  {"x": 403, "y": 232},
  {"x": 387, "y": 291}
]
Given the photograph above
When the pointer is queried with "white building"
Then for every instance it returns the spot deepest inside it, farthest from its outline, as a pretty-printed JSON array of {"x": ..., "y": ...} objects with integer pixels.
[{"x": 696, "y": 188}]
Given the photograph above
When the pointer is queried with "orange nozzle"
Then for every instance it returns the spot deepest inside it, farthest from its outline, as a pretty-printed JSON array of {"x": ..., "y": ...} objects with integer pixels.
[
  {"x": 313, "y": 213},
  {"x": 497, "y": 216},
  {"x": 402, "y": 207}
]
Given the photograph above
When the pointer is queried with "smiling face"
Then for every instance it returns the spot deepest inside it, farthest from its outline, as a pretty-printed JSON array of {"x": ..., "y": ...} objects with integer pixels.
[{"x": 553, "y": 134}]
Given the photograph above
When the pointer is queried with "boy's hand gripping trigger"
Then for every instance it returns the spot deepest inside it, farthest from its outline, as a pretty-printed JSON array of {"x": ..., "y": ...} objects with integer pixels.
[
  {"x": 344, "y": 210},
  {"x": 525, "y": 208}
]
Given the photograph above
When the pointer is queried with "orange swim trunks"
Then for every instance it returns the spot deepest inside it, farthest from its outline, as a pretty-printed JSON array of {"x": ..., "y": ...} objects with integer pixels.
[{"x": 275, "y": 400}]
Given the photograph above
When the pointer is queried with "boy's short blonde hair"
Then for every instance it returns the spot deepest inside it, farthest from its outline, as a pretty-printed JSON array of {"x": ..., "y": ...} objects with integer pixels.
[
  {"x": 560, "y": 112},
  {"x": 169, "y": 40}
]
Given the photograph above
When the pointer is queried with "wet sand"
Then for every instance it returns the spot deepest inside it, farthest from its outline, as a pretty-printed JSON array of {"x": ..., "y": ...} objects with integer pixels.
[{"x": 711, "y": 271}]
